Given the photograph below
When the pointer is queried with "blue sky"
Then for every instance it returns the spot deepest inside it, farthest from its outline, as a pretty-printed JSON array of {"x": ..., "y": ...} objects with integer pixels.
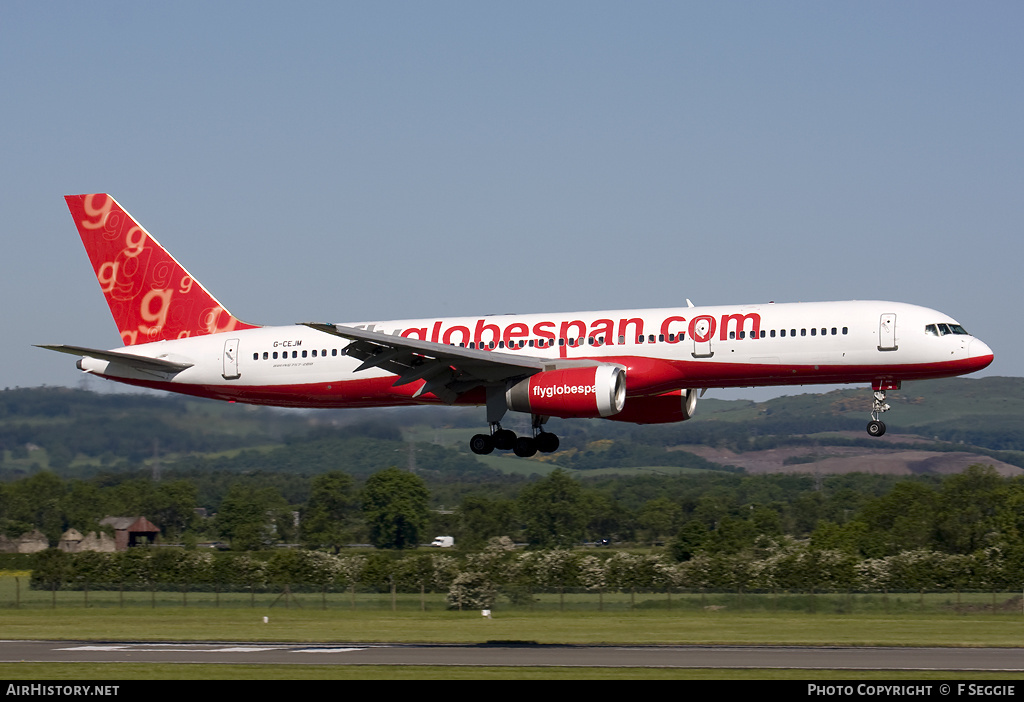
[{"x": 340, "y": 161}]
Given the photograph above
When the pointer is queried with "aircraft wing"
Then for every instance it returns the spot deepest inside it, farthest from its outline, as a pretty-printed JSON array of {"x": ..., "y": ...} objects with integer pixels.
[
  {"x": 448, "y": 370},
  {"x": 142, "y": 363}
]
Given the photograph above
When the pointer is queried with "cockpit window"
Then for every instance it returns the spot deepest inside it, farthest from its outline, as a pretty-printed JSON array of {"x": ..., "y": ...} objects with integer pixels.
[{"x": 943, "y": 329}]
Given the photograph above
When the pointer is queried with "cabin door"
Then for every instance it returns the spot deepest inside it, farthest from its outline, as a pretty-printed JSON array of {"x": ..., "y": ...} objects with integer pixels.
[
  {"x": 231, "y": 359},
  {"x": 887, "y": 333}
]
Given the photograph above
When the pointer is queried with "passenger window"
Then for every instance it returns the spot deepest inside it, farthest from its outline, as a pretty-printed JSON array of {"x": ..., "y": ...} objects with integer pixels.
[
  {"x": 773, "y": 333},
  {"x": 814, "y": 332},
  {"x": 845, "y": 329},
  {"x": 256, "y": 356},
  {"x": 834, "y": 330},
  {"x": 265, "y": 355}
]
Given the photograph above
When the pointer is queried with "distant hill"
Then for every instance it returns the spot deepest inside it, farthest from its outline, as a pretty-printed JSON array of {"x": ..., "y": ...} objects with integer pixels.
[
  {"x": 935, "y": 427},
  {"x": 984, "y": 411}
]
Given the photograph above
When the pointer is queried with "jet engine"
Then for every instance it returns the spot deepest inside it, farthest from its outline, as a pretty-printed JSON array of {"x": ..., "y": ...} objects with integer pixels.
[
  {"x": 675, "y": 406},
  {"x": 591, "y": 391}
]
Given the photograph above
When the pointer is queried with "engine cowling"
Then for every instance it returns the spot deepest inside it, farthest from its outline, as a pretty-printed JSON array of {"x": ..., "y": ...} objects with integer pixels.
[
  {"x": 675, "y": 406},
  {"x": 592, "y": 391}
]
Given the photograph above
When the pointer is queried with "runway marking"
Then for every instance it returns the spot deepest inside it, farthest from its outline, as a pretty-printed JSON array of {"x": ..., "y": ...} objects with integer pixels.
[
  {"x": 192, "y": 648},
  {"x": 171, "y": 648},
  {"x": 326, "y": 650}
]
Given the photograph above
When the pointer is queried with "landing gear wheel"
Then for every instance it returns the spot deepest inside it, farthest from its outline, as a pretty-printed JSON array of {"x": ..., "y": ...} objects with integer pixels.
[
  {"x": 876, "y": 428},
  {"x": 481, "y": 444},
  {"x": 547, "y": 442},
  {"x": 504, "y": 439},
  {"x": 525, "y": 447}
]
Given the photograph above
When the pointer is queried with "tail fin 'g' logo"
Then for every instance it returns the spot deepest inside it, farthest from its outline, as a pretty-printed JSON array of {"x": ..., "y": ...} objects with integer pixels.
[{"x": 150, "y": 295}]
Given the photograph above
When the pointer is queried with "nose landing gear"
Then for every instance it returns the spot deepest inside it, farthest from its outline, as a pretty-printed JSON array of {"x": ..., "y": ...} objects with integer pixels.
[{"x": 876, "y": 427}]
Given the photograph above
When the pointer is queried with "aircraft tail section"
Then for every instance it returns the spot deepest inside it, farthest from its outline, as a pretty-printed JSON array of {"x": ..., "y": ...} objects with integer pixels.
[{"x": 151, "y": 296}]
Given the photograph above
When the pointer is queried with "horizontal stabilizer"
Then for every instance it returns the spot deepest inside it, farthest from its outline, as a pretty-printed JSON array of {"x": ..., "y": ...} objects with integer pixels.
[{"x": 142, "y": 363}]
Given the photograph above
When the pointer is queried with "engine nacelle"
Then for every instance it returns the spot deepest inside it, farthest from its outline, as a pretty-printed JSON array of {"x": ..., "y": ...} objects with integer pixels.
[
  {"x": 592, "y": 391},
  {"x": 675, "y": 406}
]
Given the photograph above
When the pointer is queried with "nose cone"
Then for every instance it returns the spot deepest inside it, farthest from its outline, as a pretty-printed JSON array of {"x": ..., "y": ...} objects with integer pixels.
[{"x": 979, "y": 354}]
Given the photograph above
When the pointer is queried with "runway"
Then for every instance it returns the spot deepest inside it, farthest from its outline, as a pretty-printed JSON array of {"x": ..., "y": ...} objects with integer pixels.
[{"x": 1007, "y": 660}]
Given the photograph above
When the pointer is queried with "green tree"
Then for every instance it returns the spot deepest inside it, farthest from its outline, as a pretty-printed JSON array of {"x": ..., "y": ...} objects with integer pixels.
[
  {"x": 553, "y": 511},
  {"x": 902, "y": 519},
  {"x": 659, "y": 517},
  {"x": 969, "y": 505},
  {"x": 35, "y": 502},
  {"x": 173, "y": 507},
  {"x": 731, "y": 535},
  {"x": 481, "y": 518},
  {"x": 251, "y": 518},
  {"x": 395, "y": 508},
  {"x": 325, "y": 521},
  {"x": 689, "y": 541}
]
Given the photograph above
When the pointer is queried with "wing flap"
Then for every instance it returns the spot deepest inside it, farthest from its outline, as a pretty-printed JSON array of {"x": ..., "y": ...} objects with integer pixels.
[{"x": 447, "y": 370}]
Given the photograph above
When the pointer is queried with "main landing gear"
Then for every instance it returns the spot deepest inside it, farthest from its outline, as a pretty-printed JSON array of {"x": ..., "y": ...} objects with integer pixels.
[{"x": 522, "y": 446}]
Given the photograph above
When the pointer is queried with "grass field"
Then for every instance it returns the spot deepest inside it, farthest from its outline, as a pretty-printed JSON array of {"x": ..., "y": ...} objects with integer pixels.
[
  {"x": 362, "y": 626},
  {"x": 139, "y": 671},
  {"x": 642, "y": 627},
  {"x": 935, "y": 619}
]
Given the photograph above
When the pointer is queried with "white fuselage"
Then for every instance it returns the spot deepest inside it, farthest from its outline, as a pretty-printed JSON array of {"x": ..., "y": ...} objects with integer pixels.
[{"x": 661, "y": 350}]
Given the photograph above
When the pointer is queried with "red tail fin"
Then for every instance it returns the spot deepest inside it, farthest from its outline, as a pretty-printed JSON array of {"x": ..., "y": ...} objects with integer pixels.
[{"x": 150, "y": 295}]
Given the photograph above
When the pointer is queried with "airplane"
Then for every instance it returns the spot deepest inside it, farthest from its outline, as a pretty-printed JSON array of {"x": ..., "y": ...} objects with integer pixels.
[{"x": 645, "y": 366}]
